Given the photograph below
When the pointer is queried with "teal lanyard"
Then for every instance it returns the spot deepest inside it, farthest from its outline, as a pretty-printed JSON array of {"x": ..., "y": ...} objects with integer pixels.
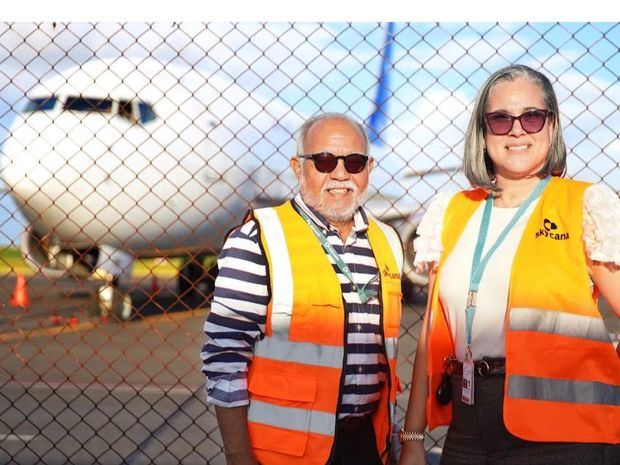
[
  {"x": 478, "y": 265},
  {"x": 364, "y": 294}
]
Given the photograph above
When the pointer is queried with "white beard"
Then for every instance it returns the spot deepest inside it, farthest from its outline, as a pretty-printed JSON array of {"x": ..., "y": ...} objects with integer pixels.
[{"x": 338, "y": 212}]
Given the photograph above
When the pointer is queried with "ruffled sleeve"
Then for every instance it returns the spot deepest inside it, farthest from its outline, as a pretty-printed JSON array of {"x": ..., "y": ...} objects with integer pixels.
[
  {"x": 428, "y": 245},
  {"x": 601, "y": 224}
]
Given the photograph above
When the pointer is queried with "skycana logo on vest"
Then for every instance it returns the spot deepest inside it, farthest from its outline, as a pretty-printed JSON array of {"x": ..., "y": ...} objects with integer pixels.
[
  {"x": 549, "y": 230},
  {"x": 389, "y": 274}
]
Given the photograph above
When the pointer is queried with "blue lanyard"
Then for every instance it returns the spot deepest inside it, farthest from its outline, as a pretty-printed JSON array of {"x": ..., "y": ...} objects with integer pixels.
[
  {"x": 478, "y": 265},
  {"x": 364, "y": 294}
]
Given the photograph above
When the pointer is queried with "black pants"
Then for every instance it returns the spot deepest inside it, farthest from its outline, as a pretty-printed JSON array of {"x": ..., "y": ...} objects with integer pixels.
[
  {"x": 478, "y": 436},
  {"x": 356, "y": 446}
]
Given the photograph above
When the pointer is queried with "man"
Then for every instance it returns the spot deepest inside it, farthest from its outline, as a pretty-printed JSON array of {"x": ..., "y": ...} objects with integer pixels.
[{"x": 301, "y": 352}]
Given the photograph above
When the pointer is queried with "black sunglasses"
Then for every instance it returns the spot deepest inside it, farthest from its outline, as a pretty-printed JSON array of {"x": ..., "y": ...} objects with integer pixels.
[
  {"x": 532, "y": 121},
  {"x": 326, "y": 162}
]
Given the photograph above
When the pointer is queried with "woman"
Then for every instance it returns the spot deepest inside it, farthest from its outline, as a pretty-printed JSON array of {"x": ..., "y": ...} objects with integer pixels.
[{"x": 514, "y": 354}]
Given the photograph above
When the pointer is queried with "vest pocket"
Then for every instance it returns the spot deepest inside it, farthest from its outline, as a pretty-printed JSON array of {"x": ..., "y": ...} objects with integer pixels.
[
  {"x": 280, "y": 411},
  {"x": 317, "y": 318},
  {"x": 294, "y": 389}
]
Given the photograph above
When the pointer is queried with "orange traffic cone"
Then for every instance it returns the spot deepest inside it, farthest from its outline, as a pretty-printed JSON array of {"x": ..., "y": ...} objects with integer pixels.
[
  {"x": 57, "y": 320},
  {"x": 20, "y": 293}
]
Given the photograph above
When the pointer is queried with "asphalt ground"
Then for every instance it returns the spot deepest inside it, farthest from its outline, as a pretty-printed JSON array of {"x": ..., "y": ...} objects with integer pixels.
[{"x": 78, "y": 389}]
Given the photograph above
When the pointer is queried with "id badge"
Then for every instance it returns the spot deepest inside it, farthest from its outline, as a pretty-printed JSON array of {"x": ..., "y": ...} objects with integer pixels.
[{"x": 467, "y": 391}]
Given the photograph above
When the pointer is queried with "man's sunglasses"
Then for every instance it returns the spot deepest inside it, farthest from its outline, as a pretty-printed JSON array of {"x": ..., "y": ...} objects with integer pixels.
[
  {"x": 532, "y": 121},
  {"x": 326, "y": 162}
]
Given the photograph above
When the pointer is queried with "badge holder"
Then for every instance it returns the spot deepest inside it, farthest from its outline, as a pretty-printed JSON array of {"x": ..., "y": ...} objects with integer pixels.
[
  {"x": 478, "y": 266},
  {"x": 467, "y": 391}
]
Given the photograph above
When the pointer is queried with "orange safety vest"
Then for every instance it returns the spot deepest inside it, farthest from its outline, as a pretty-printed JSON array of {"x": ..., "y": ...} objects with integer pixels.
[
  {"x": 296, "y": 375},
  {"x": 562, "y": 372}
]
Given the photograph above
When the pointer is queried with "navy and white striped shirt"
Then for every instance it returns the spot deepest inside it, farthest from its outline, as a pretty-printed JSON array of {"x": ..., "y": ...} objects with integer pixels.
[{"x": 238, "y": 316}]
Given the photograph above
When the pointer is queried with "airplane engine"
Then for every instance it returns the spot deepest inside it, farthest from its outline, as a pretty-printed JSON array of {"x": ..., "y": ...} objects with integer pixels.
[
  {"x": 48, "y": 255},
  {"x": 407, "y": 230}
]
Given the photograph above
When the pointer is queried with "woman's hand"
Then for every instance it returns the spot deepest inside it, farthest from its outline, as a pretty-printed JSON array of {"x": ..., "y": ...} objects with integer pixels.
[{"x": 412, "y": 453}]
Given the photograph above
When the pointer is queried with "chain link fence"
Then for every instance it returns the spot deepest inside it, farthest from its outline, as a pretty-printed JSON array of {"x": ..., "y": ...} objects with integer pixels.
[{"x": 129, "y": 151}]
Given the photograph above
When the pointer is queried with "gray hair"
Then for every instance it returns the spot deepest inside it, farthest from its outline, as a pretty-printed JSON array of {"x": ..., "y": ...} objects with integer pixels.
[
  {"x": 477, "y": 165},
  {"x": 302, "y": 134}
]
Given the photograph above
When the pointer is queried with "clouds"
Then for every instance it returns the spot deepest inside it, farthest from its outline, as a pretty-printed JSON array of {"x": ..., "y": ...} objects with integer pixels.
[{"x": 308, "y": 67}]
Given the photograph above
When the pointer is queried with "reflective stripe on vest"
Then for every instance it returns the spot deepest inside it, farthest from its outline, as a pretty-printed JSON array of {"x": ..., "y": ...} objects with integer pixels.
[
  {"x": 295, "y": 377},
  {"x": 282, "y": 288},
  {"x": 391, "y": 347},
  {"x": 557, "y": 322},
  {"x": 562, "y": 372},
  {"x": 291, "y": 418},
  {"x": 300, "y": 352},
  {"x": 563, "y": 390}
]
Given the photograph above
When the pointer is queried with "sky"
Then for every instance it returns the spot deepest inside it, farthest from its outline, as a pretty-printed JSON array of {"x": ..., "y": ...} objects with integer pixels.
[{"x": 435, "y": 72}]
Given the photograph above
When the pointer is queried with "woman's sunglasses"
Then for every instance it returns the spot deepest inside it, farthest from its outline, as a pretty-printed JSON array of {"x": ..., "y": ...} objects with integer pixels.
[
  {"x": 326, "y": 162},
  {"x": 532, "y": 121}
]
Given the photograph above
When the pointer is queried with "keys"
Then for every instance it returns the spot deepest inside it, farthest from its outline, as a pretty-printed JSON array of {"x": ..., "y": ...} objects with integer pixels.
[{"x": 444, "y": 391}]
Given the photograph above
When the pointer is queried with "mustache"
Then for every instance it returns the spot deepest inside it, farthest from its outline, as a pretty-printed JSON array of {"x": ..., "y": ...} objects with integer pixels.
[{"x": 339, "y": 185}]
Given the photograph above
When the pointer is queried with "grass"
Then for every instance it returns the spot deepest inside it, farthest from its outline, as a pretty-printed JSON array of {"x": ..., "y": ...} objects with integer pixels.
[{"x": 11, "y": 261}]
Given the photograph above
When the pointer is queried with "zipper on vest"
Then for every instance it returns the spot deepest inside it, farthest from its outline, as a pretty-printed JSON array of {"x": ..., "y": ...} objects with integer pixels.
[
  {"x": 388, "y": 439},
  {"x": 342, "y": 378}
]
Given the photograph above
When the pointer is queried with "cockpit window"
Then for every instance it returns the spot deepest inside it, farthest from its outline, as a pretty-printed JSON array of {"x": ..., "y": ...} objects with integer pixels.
[
  {"x": 147, "y": 113},
  {"x": 88, "y": 104},
  {"x": 41, "y": 104},
  {"x": 140, "y": 111}
]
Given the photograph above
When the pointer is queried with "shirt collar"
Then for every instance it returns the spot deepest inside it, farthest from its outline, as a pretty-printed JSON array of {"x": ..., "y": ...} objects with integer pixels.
[{"x": 360, "y": 218}]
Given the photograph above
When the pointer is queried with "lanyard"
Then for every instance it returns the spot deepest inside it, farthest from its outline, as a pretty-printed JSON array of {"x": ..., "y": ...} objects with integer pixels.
[
  {"x": 479, "y": 264},
  {"x": 364, "y": 294}
]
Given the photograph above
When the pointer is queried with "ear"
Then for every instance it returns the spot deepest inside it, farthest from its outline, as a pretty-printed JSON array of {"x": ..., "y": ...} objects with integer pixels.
[
  {"x": 371, "y": 164},
  {"x": 296, "y": 166}
]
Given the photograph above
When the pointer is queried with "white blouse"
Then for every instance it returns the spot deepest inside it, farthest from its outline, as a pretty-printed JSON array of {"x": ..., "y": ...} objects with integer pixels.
[{"x": 601, "y": 227}]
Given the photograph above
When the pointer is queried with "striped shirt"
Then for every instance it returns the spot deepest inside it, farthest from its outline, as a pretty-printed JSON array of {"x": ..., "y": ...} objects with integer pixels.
[{"x": 238, "y": 316}]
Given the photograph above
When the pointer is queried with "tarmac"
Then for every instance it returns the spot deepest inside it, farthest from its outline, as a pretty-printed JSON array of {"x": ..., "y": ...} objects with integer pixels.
[{"x": 76, "y": 388}]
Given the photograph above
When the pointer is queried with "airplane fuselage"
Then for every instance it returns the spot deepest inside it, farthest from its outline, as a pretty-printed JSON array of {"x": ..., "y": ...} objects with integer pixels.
[{"x": 85, "y": 164}]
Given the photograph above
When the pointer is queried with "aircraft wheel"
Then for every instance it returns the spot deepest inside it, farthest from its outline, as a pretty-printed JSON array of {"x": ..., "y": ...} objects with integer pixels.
[
  {"x": 189, "y": 276},
  {"x": 196, "y": 281},
  {"x": 414, "y": 284}
]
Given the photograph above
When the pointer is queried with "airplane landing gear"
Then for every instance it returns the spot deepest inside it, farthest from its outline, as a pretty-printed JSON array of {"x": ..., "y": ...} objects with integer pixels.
[
  {"x": 114, "y": 301},
  {"x": 196, "y": 281}
]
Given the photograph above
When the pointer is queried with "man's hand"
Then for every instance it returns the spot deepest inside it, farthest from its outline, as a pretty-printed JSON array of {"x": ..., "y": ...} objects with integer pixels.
[{"x": 233, "y": 423}]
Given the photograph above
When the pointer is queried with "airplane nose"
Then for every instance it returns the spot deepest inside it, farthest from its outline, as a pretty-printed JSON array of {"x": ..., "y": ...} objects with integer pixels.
[{"x": 19, "y": 169}]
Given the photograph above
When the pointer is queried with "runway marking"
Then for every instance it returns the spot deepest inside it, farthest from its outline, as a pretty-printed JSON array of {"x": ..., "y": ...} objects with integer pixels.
[
  {"x": 48, "y": 331},
  {"x": 17, "y": 437},
  {"x": 178, "y": 316},
  {"x": 66, "y": 328}
]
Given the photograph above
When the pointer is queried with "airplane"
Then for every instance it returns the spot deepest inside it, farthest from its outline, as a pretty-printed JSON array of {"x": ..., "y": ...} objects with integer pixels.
[{"x": 119, "y": 159}]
